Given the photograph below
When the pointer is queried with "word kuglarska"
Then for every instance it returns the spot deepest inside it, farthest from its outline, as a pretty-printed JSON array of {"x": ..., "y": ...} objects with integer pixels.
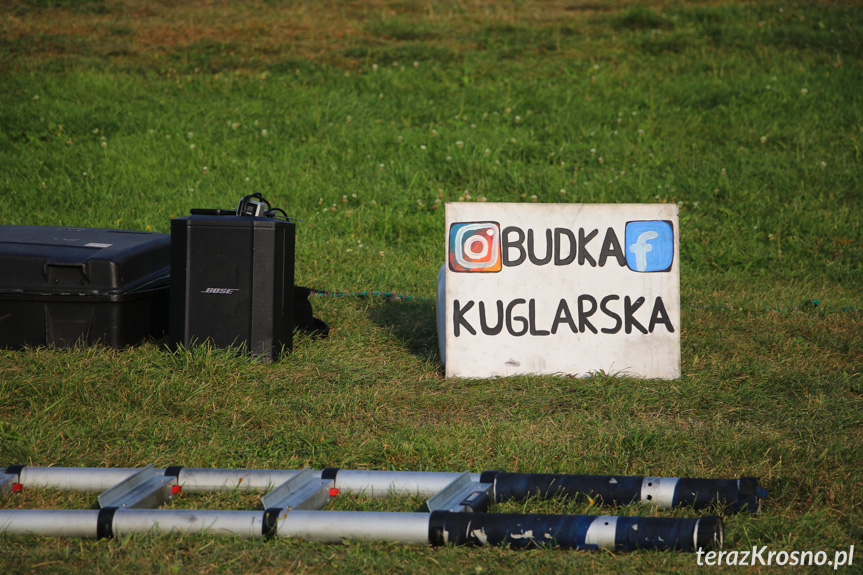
[{"x": 583, "y": 314}]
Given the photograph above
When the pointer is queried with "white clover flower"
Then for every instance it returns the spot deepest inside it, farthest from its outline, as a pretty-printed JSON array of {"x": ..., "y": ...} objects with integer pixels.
[
  {"x": 533, "y": 198},
  {"x": 235, "y": 125},
  {"x": 459, "y": 144},
  {"x": 104, "y": 144},
  {"x": 416, "y": 64},
  {"x": 804, "y": 91},
  {"x": 823, "y": 164},
  {"x": 518, "y": 119},
  {"x": 191, "y": 146},
  {"x": 264, "y": 133},
  {"x": 189, "y": 135},
  {"x": 375, "y": 67},
  {"x": 449, "y": 158},
  {"x": 562, "y": 192},
  {"x": 763, "y": 139},
  {"x": 513, "y": 140},
  {"x": 593, "y": 150},
  {"x": 487, "y": 151},
  {"x": 382, "y": 166},
  {"x": 423, "y": 148}
]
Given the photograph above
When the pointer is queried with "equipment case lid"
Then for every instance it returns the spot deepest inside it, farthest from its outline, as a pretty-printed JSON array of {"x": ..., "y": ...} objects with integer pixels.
[{"x": 70, "y": 261}]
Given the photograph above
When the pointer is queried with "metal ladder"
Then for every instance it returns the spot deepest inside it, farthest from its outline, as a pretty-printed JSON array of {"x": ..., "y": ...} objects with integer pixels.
[{"x": 457, "y": 504}]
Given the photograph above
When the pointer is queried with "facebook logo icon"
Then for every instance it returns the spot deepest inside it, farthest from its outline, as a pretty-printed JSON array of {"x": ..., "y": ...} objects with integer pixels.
[{"x": 649, "y": 246}]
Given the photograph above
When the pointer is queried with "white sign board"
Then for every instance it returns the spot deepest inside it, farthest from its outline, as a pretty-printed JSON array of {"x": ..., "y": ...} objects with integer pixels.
[{"x": 562, "y": 288}]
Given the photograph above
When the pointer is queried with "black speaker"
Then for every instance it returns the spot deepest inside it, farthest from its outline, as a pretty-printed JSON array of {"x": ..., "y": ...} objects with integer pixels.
[{"x": 232, "y": 282}]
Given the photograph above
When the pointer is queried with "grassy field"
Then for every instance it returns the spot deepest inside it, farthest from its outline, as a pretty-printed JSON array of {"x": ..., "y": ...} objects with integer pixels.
[{"x": 363, "y": 119}]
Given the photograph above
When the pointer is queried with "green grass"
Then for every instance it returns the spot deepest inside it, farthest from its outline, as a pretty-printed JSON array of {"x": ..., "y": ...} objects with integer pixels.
[{"x": 362, "y": 120}]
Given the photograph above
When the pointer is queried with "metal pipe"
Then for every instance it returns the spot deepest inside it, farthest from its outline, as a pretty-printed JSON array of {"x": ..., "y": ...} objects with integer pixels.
[
  {"x": 75, "y": 478},
  {"x": 666, "y": 492},
  {"x": 586, "y": 532},
  {"x": 337, "y": 526},
  {"x": 246, "y": 524},
  {"x": 262, "y": 480},
  {"x": 386, "y": 483},
  {"x": 49, "y": 522}
]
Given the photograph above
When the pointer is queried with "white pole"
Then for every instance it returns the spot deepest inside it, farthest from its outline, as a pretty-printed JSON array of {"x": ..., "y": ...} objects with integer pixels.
[
  {"x": 337, "y": 526},
  {"x": 373, "y": 483},
  {"x": 246, "y": 524},
  {"x": 386, "y": 483},
  {"x": 49, "y": 522},
  {"x": 76, "y": 478}
]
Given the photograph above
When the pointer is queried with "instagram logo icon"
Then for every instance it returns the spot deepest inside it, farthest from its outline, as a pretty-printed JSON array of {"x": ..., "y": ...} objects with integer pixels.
[{"x": 474, "y": 247}]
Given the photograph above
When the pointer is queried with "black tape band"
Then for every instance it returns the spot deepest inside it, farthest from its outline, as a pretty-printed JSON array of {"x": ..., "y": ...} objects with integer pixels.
[
  {"x": 105, "y": 523},
  {"x": 329, "y": 473},
  {"x": 173, "y": 471},
  {"x": 487, "y": 476},
  {"x": 748, "y": 487},
  {"x": 269, "y": 526},
  {"x": 710, "y": 533},
  {"x": 437, "y": 522},
  {"x": 15, "y": 470}
]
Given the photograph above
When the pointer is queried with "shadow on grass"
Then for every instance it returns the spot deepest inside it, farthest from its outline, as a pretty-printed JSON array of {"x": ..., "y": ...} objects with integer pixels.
[{"x": 413, "y": 322}]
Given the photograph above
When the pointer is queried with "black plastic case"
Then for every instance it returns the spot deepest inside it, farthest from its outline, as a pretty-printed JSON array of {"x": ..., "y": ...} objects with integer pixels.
[
  {"x": 233, "y": 283},
  {"x": 64, "y": 285}
]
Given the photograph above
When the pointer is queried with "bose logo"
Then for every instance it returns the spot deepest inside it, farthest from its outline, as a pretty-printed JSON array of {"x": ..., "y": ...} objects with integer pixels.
[{"x": 227, "y": 291}]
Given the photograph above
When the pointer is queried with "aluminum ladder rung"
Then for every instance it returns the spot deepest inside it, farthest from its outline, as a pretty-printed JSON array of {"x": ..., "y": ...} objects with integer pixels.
[
  {"x": 143, "y": 490},
  {"x": 462, "y": 494},
  {"x": 302, "y": 491}
]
